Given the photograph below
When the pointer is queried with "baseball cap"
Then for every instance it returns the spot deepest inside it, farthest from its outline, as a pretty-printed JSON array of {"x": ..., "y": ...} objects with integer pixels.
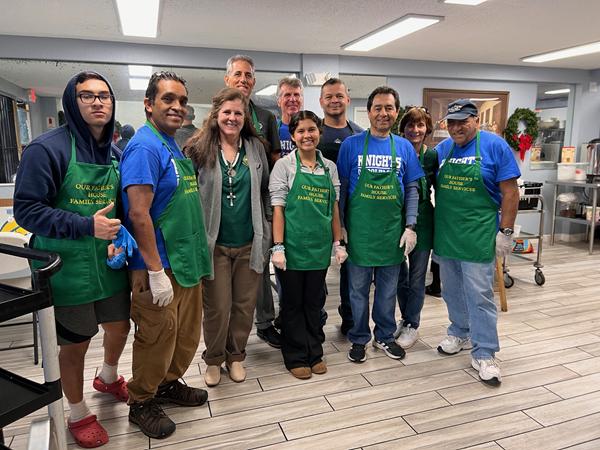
[{"x": 461, "y": 109}]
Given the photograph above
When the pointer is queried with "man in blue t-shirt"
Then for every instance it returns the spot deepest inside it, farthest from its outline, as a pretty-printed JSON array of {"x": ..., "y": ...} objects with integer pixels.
[
  {"x": 477, "y": 177},
  {"x": 290, "y": 99},
  {"x": 166, "y": 300},
  {"x": 375, "y": 203}
]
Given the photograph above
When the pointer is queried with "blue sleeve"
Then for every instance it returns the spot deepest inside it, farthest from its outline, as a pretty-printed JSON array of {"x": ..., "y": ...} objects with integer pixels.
[
  {"x": 411, "y": 202},
  {"x": 506, "y": 165},
  {"x": 413, "y": 168},
  {"x": 343, "y": 165},
  {"x": 38, "y": 183},
  {"x": 140, "y": 164}
]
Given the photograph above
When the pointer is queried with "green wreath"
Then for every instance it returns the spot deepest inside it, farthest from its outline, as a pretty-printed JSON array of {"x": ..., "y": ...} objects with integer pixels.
[{"x": 511, "y": 132}]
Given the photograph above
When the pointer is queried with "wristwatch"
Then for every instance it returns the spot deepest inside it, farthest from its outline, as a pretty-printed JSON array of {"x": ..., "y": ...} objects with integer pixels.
[
  {"x": 507, "y": 231},
  {"x": 411, "y": 226}
]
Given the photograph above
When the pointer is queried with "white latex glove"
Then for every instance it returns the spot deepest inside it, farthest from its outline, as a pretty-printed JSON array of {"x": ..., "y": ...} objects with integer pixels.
[
  {"x": 278, "y": 259},
  {"x": 504, "y": 245},
  {"x": 161, "y": 288},
  {"x": 344, "y": 235},
  {"x": 340, "y": 253},
  {"x": 408, "y": 241}
]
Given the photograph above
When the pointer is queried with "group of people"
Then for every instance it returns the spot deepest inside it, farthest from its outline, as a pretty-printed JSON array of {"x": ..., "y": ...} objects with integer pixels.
[{"x": 211, "y": 211}]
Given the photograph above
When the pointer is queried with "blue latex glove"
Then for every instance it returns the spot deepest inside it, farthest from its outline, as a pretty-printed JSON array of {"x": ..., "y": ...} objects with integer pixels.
[{"x": 125, "y": 240}]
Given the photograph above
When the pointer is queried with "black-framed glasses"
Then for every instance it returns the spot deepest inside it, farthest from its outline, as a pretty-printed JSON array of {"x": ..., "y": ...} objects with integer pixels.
[{"x": 88, "y": 98}]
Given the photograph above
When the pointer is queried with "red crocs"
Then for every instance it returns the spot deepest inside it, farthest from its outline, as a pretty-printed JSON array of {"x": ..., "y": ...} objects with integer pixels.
[
  {"x": 118, "y": 388},
  {"x": 88, "y": 433}
]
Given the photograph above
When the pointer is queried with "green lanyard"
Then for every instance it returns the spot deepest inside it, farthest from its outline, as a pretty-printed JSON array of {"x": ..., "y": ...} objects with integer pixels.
[{"x": 255, "y": 121}]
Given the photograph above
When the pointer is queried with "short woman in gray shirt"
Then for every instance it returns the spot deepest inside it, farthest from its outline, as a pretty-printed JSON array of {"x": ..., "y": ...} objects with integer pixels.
[{"x": 304, "y": 189}]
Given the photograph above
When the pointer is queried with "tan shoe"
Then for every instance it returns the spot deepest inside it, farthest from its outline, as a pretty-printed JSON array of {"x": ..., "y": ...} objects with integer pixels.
[
  {"x": 237, "y": 372},
  {"x": 319, "y": 368},
  {"x": 212, "y": 376},
  {"x": 303, "y": 373}
]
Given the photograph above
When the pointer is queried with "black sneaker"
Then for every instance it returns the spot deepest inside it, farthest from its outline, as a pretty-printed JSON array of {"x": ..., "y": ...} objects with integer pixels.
[
  {"x": 434, "y": 291},
  {"x": 270, "y": 336},
  {"x": 151, "y": 419},
  {"x": 181, "y": 394},
  {"x": 391, "y": 349},
  {"x": 357, "y": 353}
]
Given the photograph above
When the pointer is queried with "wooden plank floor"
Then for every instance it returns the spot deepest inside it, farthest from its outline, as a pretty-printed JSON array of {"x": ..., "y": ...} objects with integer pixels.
[{"x": 549, "y": 398}]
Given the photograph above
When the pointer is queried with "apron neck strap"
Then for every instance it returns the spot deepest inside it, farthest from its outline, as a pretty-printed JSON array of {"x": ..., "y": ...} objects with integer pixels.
[
  {"x": 160, "y": 137},
  {"x": 366, "y": 147},
  {"x": 477, "y": 151}
]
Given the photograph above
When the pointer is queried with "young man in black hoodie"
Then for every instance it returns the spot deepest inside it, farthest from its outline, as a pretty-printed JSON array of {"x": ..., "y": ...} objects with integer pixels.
[{"x": 65, "y": 193}]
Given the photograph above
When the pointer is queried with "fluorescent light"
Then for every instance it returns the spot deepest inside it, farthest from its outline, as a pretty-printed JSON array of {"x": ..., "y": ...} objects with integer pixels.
[
  {"x": 271, "y": 89},
  {"x": 558, "y": 91},
  {"x": 491, "y": 99},
  {"x": 402, "y": 27},
  {"x": 570, "y": 52},
  {"x": 138, "y": 17},
  {"x": 138, "y": 84},
  {"x": 140, "y": 71},
  {"x": 465, "y": 2}
]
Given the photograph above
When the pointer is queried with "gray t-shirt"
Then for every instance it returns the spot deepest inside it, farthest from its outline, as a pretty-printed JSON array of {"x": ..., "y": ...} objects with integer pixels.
[{"x": 284, "y": 172}]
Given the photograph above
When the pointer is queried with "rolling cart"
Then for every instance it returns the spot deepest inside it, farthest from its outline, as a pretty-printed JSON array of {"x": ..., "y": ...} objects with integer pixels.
[
  {"x": 18, "y": 395},
  {"x": 530, "y": 204}
]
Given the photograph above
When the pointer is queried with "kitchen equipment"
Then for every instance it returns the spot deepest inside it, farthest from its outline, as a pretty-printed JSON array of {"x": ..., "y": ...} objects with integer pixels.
[
  {"x": 529, "y": 188},
  {"x": 568, "y": 171},
  {"x": 593, "y": 159}
]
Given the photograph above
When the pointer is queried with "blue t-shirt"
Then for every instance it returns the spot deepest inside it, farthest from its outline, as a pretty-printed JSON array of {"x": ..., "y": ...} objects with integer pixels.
[
  {"x": 379, "y": 159},
  {"x": 285, "y": 139},
  {"x": 147, "y": 161},
  {"x": 497, "y": 160}
]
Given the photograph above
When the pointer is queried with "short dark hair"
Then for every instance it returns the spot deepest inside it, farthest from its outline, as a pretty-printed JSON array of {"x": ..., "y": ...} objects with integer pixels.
[
  {"x": 88, "y": 75},
  {"x": 156, "y": 77},
  {"x": 332, "y": 82},
  {"x": 304, "y": 115},
  {"x": 383, "y": 90},
  {"x": 415, "y": 114}
]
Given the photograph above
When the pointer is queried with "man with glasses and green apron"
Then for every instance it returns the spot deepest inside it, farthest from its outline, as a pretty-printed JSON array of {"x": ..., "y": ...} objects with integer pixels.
[
  {"x": 379, "y": 175},
  {"x": 477, "y": 177},
  {"x": 161, "y": 201},
  {"x": 66, "y": 193}
]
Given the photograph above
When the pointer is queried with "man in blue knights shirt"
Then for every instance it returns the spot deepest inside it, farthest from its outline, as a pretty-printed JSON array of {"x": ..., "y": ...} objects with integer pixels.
[
  {"x": 290, "y": 99},
  {"x": 477, "y": 177}
]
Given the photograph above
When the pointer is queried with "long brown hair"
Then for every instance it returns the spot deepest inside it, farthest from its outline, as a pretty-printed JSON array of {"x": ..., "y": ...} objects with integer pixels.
[{"x": 203, "y": 146}]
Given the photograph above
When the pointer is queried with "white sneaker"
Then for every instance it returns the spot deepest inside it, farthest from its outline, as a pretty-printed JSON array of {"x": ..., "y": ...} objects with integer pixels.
[
  {"x": 451, "y": 345},
  {"x": 408, "y": 337},
  {"x": 489, "y": 371},
  {"x": 399, "y": 329}
]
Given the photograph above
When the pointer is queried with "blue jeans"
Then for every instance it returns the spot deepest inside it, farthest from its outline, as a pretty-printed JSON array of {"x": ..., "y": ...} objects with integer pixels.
[
  {"x": 384, "y": 305},
  {"x": 467, "y": 289},
  {"x": 411, "y": 287}
]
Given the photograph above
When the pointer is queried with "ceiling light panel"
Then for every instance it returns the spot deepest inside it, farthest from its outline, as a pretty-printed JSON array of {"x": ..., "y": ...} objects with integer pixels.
[
  {"x": 138, "y": 17},
  {"x": 138, "y": 84},
  {"x": 140, "y": 71},
  {"x": 404, "y": 26},
  {"x": 570, "y": 52},
  {"x": 271, "y": 89},
  {"x": 558, "y": 91}
]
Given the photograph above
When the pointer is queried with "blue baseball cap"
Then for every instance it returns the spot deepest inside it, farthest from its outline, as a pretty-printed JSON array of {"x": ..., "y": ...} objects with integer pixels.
[{"x": 461, "y": 109}]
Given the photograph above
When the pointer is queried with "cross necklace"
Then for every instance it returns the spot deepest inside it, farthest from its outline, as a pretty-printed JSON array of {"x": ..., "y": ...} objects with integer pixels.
[{"x": 230, "y": 175}]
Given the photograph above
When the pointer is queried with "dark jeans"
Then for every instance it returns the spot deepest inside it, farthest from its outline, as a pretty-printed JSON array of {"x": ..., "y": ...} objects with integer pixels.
[
  {"x": 300, "y": 316},
  {"x": 345, "y": 308},
  {"x": 411, "y": 287}
]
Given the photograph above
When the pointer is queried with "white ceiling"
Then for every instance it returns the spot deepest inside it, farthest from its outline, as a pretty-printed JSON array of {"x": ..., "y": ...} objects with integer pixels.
[{"x": 496, "y": 32}]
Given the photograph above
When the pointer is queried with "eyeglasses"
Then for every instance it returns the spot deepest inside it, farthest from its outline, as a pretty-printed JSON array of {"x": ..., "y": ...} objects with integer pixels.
[
  {"x": 421, "y": 108},
  {"x": 88, "y": 98}
]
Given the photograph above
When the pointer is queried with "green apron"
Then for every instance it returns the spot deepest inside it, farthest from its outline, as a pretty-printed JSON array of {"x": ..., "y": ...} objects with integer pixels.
[
  {"x": 308, "y": 215},
  {"x": 85, "y": 277},
  {"x": 257, "y": 125},
  {"x": 182, "y": 225},
  {"x": 424, "y": 227},
  {"x": 375, "y": 219},
  {"x": 465, "y": 213}
]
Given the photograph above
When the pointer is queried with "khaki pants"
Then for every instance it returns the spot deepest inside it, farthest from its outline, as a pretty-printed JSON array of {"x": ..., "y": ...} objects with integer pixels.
[
  {"x": 229, "y": 302},
  {"x": 166, "y": 339}
]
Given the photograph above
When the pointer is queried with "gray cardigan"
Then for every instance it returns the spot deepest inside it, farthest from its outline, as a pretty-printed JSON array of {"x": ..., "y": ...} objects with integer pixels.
[{"x": 210, "y": 186}]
